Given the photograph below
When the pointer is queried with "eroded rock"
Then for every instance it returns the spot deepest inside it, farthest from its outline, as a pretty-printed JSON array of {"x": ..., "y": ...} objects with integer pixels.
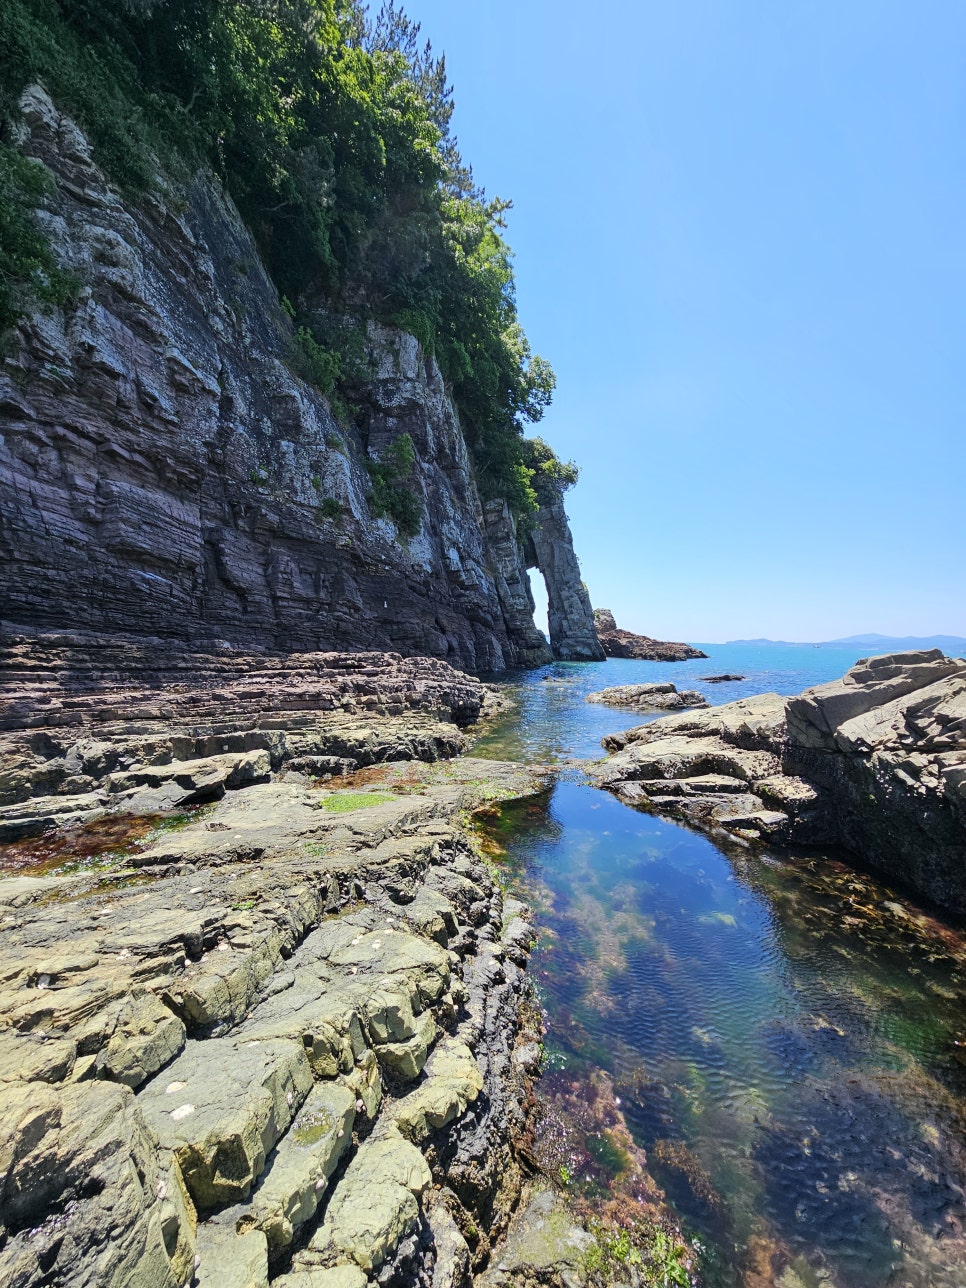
[
  {"x": 221, "y": 1112},
  {"x": 874, "y": 763},
  {"x": 648, "y": 697},
  {"x": 617, "y": 642}
]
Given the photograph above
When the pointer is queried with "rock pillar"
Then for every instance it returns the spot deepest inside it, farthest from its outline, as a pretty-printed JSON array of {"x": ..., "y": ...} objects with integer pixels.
[
  {"x": 573, "y": 636},
  {"x": 527, "y": 644}
]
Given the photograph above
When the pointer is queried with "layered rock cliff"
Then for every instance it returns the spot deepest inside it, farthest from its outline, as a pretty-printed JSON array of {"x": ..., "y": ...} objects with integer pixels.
[{"x": 164, "y": 472}]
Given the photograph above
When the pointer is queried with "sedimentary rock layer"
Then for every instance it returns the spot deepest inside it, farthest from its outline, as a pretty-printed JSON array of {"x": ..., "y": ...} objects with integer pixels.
[
  {"x": 90, "y": 723},
  {"x": 164, "y": 471},
  {"x": 274, "y": 1042},
  {"x": 874, "y": 763}
]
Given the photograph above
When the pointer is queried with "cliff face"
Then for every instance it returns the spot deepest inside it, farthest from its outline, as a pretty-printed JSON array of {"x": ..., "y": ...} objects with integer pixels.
[{"x": 164, "y": 472}]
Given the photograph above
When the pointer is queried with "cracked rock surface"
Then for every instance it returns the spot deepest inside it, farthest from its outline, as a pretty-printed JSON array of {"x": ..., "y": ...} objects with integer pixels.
[{"x": 269, "y": 1039}]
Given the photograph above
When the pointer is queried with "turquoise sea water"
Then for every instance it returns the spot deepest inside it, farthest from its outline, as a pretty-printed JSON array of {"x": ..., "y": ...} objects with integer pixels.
[{"x": 787, "y": 1035}]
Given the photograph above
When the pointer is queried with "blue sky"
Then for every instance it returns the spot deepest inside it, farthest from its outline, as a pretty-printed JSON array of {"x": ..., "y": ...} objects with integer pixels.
[{"x": 739, "y": 236}]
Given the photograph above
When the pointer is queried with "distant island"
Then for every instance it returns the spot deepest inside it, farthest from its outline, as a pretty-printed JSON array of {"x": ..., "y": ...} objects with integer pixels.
[{"x": 877, "y": 643}]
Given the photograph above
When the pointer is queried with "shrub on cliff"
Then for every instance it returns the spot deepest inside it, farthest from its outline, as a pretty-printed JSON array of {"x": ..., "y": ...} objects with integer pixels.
[
  {"x": 28, "y": 266},
  {"x": 331, "y": 130},
  {"x": 392, "y": 496}
]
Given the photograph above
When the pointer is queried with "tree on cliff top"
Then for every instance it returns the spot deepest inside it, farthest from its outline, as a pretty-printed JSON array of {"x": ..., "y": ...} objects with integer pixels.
[{"x": 331, "y": 129}]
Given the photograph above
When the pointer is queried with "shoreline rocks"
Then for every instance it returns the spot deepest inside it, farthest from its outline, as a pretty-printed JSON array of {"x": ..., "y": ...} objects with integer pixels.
[
  {"x": 93, "y": 724},
  {"x": 275, "y": 988},
  {"x": 277, "y": 1030},
  {"x": 648, "y": 697},
  {"x": 261, "y": 997},
  {"x": 620, "y": 643},
  {"x": 873, "y": 763}
]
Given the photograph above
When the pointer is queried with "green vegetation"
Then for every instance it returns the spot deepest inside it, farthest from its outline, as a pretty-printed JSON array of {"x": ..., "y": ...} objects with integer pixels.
[
  {"x": 549, "y": 473},
  {"x": 391, "y": 496},
  {"x": 328, "y": 508},
  {"x": 610, "y": 1158},
  {"x": 330, "y": 128},
  {"x": 345, "y": 802},
  {"x": 28, "y": 268},
  {"x": 661, "y": 1257}
]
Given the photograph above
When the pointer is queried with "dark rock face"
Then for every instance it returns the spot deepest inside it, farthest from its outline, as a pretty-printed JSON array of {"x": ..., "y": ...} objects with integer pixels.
[
  {"x": 164, "y": 472},
  {"x": 874, "y": 763},
  {"x": 620, "y": 643},
  {"x": 573, "y": 637}
]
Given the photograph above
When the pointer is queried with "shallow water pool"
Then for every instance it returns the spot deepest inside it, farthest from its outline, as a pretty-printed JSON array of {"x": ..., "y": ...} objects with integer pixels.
[{"x": 787, "y": 1036}]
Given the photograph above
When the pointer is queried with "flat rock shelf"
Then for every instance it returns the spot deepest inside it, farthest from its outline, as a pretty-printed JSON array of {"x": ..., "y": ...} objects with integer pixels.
[{"x": 261, "y": 996}]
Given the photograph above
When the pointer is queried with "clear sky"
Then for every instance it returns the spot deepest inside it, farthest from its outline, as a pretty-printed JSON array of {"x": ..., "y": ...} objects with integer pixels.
[{"x": 740, "y": 240}]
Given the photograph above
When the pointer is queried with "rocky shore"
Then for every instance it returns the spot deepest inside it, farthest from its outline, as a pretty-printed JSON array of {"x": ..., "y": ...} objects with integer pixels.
[
  {"x": 266, "y": 1019},
  {"x": 262, "y": 1018},
  {"x": 874, "y": 763},
  {"x": 620, "y": 643}
]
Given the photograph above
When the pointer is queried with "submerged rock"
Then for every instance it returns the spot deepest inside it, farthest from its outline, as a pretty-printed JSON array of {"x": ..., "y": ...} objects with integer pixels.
[{"x": 874, "y": 763}]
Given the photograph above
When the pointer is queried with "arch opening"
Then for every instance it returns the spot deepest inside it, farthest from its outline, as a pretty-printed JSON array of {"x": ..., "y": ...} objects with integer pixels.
[{"x": 541, "y": 602}]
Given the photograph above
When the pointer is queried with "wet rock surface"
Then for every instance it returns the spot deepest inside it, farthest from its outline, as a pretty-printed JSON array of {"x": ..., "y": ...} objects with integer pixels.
[
  {"x": 617, "y": 642},
  {"x": 874, "y": 763}
]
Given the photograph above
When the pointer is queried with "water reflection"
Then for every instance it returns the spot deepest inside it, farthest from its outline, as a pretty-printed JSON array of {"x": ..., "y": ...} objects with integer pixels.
[{"x": 784, "y": 1036}]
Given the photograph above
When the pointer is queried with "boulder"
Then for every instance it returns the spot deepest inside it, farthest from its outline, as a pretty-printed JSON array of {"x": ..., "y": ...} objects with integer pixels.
[
  {"x": 292, "y": 1187},
  {"x": 86, "y": 1202},
  {"x": 815, "y": 715},
  {"x": 873, "y": 763},
  {"x": 229, "y": 1259},
  {"x": 451, "y": 1081},
  {"x": 375, "y": 1205},
  {"x": 146, "y": 1038}
]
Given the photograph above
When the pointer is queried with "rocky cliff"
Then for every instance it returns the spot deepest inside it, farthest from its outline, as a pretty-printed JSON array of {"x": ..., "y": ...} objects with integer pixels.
[
  {"x": 164, "y": 472},
  {"x": 874, "y": 763}
]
